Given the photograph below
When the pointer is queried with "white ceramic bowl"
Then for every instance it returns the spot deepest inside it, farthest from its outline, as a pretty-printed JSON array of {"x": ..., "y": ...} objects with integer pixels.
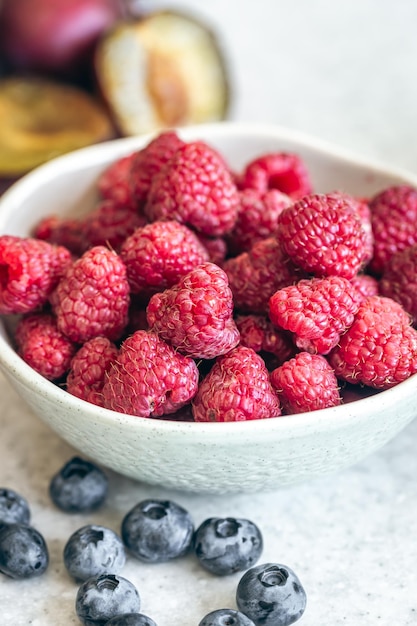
[{"x": 200, "y": 457}]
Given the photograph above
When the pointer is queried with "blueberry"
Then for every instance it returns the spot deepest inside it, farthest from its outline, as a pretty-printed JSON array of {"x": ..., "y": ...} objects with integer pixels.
[
  {"x": 102, "y": 597},
  {"x": 93, "y": 550},
  {"x": 23, "y": 551},
  {"x": 226, "y": 546},
  {"x": 14, "y": 508},
  {"x": 131, "y": 619},
  {"x": 78, "y": 486},
  {"x": 271, "y": 594},
  {"x": 157, "y": 530},
  {"x": 226, "y": 617}
]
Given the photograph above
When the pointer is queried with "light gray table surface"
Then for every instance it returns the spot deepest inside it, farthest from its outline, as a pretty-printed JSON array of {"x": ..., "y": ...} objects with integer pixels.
[{"x": 345, "y": 72}]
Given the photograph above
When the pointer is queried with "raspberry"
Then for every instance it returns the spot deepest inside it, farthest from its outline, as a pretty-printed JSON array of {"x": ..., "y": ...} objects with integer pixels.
[
  {"x": 216, "y": 248},
  {"x": 29, "y": 271},
  {"x": 394, "y": 216},
  {"x": 195, "y": 316},
  {"x": 195, "y": 188},
  {"x": 306, "y": 383},
  {"x": 159, "y": 254},
  {"x": 109, "y": 225},
  {"x": 380, "y": 347},
  {"x": 278, "y": 170},
  {"x": 323, "y": 234},
  {"x": 316, "y": 310},
  {"x": 149, "y": 161},
  {"x": 254, "y": 276},
  {"x": 237, "y": 388},
  {"x": 113, "y": 183},
  {"x": 42, "y": 346},
  {"x": 149, "y": 378},
  {"x": 88, "y": 369},
  {"x": 258, "y": 332},
  {"x": 257, "y": 218},
  {"x": 366, "y": 285},
  {"x": 399, "y": 280},
  {"x": 62, "y": 232},
  {"x": 92, "y": 299}
]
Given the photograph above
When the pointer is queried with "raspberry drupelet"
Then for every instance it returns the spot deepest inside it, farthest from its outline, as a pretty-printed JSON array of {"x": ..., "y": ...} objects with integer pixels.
[{"x": 149, "y": 378}]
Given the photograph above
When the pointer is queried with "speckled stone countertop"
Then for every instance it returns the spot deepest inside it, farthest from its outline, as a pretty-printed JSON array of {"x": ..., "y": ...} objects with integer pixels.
[{"x": 345, "y": 72}]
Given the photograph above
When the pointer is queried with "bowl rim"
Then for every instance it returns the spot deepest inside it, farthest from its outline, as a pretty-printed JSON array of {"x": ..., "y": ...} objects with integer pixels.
[{"x": 287, "y": 425}]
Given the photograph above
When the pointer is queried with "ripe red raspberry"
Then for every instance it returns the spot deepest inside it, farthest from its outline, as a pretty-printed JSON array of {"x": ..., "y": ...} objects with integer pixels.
[
  {"x": 258, "y": 332},
  {"x": 195, "y": 188},
  {"x": 43, "y": 346},
  {"x": 254, "y": 276},
  {"x": 380, "y": 347},
  {"x": 278, "y": 170},
  {"x": 236, "y": 389},
  {"x": 306, "y": 383},
  {"x": 257, "y": 218},
  {"x": 195, "y": 316},
  {"x": 149, "y": 378},
  {"x": 109, "y": 225},
  {"x": 323, "y": 234},
  {"x": 92, "y": 299},
  {"x": 399, "y": 280},
  {"x": 149, "y": 161},
  {"x": 159, "y": 254},
  {"x": 67, "y": 232},
  {"x": 394, "y": 217},
  {"x": 316, "y": 310},
  {"x": 29, "y": 271},
  {"x": 88, "y": 369},
  {"x": 113, "y": 183}
]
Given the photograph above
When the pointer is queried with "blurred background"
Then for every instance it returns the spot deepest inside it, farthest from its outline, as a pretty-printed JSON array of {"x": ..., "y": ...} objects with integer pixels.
[{"x": 342, "y": 71}]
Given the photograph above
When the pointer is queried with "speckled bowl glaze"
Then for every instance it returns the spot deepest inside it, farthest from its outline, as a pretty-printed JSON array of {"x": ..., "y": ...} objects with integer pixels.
[{"x": 200, "y": 457}]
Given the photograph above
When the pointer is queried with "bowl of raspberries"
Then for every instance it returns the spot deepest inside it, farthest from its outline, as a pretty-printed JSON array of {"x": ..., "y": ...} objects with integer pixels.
[{"x": 218, "y": 308}]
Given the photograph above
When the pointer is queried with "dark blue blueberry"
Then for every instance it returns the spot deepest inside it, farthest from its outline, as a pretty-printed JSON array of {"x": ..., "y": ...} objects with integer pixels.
[
  {"x": 226, "y": 546},
  {"x": 157, "y": 530},
  {"x": 226, "y": 617},
  {"x": 23, "y": 551},
  {"x": 78, "y": 486},
  {"x": 102, "y": 597},
  {"x": 93, "y": 550},
  {"x": 131, "y": 619},
  {"x": 14, "y": 508},
  {"x": 271, "y": 594}
]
